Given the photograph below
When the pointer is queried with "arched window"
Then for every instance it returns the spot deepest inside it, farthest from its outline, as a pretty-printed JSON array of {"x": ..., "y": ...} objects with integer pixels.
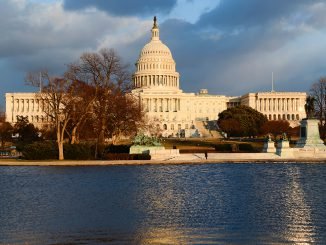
[{"x": 165, "y": 127}]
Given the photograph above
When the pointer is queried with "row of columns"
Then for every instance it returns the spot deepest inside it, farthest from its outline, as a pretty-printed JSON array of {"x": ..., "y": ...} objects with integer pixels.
[
  {"x": 162, "y": 104},
  {"x": 156, "y": 80},
  {"x": 286, "y": 104},
  {"x": 141, "y": 67},
  {"x": 27, "y": 105},
  {"x": 283, "y": 116}
]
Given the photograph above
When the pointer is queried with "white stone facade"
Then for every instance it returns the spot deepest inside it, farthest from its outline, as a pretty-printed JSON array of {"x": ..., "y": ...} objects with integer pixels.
[
  {"x": 25, "y": 104},
  {"x": 156, "y": 85},
  {"x": 277, "y": 105}
]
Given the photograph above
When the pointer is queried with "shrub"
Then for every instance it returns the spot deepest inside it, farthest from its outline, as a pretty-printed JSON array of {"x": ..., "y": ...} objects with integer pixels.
[
  {"x": 246, "y": 148},
  {"x": 117, "y": 149},
  {"x": 223, "y": 147},
  {"x": 44, "y": 150},
  {"x": 77, "y": 152}
]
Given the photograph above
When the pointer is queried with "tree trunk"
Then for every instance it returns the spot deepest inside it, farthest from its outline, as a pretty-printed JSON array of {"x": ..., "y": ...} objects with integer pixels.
[
  {"x": 60, "y": 144},
  {"x": 73, "y": 136},
  {"x": 60, "y": 147},
  {"x": 100, "y": 144}
]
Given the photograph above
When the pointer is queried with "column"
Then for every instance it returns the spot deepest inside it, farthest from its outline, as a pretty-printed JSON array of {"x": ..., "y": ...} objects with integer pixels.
[
  {"x": 155, "y": 105},
  {"x": 147, "y": 104},
  {"x": 175, "y": 104},
  {"x": 274, "y": 105},
  {"x": 170, "y": 109},
  {"x": 150, "y": 104},
  {"x": 161, "y": 105}
]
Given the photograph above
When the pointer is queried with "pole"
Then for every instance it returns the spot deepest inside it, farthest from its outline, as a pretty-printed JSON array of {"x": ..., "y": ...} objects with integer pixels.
[
  {"x": 40, "y": 82},
  {"x": 272, "y": 81}
]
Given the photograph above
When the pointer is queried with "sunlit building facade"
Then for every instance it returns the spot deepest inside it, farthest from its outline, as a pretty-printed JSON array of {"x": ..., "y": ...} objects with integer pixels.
[
  {"x": 157, "y": 86},
  {"x": 156, "y": 83}
]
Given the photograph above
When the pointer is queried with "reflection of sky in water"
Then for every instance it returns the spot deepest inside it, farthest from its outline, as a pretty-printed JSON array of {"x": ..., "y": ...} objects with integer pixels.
[{"x": 177, "y": 204}]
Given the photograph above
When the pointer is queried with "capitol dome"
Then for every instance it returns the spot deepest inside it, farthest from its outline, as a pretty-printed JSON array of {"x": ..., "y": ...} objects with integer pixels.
[{"x": 155, "y": 67}]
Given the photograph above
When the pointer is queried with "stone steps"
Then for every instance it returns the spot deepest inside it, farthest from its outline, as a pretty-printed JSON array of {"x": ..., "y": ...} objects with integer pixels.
[{"x": 208, "y": 129}]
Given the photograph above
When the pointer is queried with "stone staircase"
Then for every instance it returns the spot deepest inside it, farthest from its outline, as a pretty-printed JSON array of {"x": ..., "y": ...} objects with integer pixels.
[{"x": 208, "y": 129}]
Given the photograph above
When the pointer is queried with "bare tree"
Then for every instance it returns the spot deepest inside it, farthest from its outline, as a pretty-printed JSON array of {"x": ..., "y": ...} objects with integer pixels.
[
  {"x": 318, "y": 92},
  {"x": 2, "y": 116},
  {"x": 113, "y": 113},
  {"x": 57, "y": 103},
  {"x": 84, "y": 95}
]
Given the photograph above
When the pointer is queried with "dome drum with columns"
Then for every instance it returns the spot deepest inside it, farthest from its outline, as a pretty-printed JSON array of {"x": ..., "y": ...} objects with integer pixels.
[{"x": 155, "y": 67}]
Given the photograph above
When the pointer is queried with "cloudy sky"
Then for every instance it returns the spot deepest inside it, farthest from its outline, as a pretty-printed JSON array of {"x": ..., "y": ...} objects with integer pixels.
[{"x": 227, "y": 46}]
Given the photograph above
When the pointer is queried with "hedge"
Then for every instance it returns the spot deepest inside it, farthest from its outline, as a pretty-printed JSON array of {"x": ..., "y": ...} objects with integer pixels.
[
  {"x": 47, "y": 150},
  {"x": 43, "y": 150},
  {"x": 125, "y": 156},
  {"x": 223, "y": 148},
  {"x": 246, "y": 148},
  {"x": 78, "y": 152},
  {"x": 117, "y": 149}
]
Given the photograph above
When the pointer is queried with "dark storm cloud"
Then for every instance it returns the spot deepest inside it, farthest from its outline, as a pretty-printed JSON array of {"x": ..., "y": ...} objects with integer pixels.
[
  {"x": 234, "y": 48},
  {"x": 126, "y": 7},
  {"x": 239, "y": 13}
]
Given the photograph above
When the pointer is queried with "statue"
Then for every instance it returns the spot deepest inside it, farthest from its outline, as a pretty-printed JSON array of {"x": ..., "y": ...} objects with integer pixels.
[
  {"x": 144, "y": 140},
  {"x": 155, "y": 21},
  {"x": 310, "y": 107},
  {"x": 284, "y": 137}
]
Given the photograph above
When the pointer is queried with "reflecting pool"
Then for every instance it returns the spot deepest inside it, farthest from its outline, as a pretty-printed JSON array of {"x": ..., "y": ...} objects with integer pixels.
[{"x": 164, "y": 204}]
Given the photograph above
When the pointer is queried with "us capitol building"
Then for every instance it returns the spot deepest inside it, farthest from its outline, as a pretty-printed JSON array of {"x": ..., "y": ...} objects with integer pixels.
[{"x": 156, "y": 84}]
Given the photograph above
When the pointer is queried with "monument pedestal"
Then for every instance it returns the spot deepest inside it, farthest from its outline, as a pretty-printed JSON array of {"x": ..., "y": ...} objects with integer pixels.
[
  {"x": 284, "y": 150},
  {"x": 309, "y": 135},
  {"x": 269, "y": 147}
]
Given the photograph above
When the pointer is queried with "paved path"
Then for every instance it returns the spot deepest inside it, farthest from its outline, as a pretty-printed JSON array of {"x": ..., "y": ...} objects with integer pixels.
[{"x": 181, "y": 159}]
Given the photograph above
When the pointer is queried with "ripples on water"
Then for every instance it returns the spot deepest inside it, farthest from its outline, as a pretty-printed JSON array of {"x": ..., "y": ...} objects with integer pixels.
[{"x": 175, "y": 204}]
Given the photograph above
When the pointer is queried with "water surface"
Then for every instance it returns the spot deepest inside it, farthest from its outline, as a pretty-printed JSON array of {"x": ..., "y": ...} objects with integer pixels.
[{"x": 165, "y": 204}]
